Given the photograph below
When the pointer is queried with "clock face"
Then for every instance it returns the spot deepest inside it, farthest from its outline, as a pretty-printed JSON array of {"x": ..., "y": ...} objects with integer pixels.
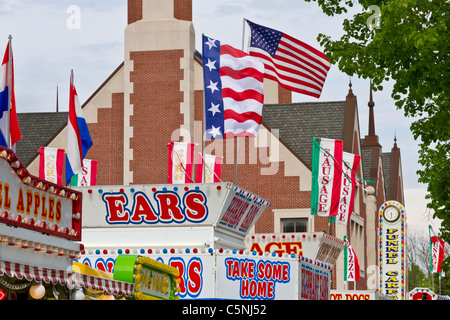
[{"x": 391, "y": 214}]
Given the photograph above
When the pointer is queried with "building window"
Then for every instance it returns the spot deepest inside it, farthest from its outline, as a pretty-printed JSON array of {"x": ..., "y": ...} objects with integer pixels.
[{"x": 294, "y": 225}]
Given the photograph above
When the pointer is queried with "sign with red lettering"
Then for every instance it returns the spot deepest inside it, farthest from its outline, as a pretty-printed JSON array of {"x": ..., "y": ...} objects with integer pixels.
[
  {"x": 261, "y": 278},
  {"x": 392, "y": 250},
  {"x": 214, "y": 204},
  {"x": 316, "y": 246},
  {"x": 326, "y": 176},
  {"x": 33, "y": 203},
  {"x": 350, "y": 163},
  {"x": 314, "y": 283},
  {"x": 352, "y": 295}
]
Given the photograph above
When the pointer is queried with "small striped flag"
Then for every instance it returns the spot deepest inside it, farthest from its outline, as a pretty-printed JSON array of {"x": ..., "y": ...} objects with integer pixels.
[{"x": 78, "y": 137}]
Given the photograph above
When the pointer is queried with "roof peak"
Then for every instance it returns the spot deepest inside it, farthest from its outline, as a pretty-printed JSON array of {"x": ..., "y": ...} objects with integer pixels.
[{"x": 371, "y": 104}]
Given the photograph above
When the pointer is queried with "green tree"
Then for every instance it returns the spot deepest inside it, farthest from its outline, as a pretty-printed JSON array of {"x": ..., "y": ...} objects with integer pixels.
[{"x": 406, "y": 41}]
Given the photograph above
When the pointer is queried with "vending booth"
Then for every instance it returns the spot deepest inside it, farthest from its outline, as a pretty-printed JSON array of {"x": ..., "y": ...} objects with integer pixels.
[
  {"x": 40, "y": 233},
  {"x": 201, "y": 231}
]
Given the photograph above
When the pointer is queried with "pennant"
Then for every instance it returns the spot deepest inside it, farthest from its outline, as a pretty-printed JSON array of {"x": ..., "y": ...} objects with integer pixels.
[
  {"x": 181, "y": 159},
  {"x": 326, "y": 176},
  {"x": 9, "y": 126},
  {"x": 295, "y": 65},
  {"x": 350, "y": 163},
  {"x": 212, "y": 166},
  {"x": 351, "y": 264},
  {"x": 51, "y": 163},
  {"x": 87, "y": 176},
  {"x": 437, "y": 253},
  {"x": 233, "y": 91},
  {"x": 78, "y": 137}
]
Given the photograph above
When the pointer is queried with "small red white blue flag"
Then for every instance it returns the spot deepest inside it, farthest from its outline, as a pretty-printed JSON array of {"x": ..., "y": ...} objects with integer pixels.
[
  {"x": 9, "y": 126},
  {"x": 233, "y": 90},
  {"x": 78, "y": 137}
]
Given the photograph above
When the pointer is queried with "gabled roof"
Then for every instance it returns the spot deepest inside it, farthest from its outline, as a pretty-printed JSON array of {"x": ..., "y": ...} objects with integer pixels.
[
  {"x": 298, "y": 123},
  {"x": 38, "y": 129}
]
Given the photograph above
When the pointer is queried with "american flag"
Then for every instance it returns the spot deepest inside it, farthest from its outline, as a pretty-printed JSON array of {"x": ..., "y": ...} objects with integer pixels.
[
  {"x": 294, "y": 64},
  {"x": 233, "y": 90}
]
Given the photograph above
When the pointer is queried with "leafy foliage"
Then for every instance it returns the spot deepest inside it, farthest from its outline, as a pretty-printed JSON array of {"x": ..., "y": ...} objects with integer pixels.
[{"x": 407, "y": 41}]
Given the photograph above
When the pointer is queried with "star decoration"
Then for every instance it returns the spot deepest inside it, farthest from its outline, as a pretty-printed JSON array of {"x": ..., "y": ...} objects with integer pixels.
[
  {"x": 211, "y": 43},
  {"x": 215, "y": 131},
  {"x": 213, "y": 86},
  {"x": 211, "y": 64},
  {"x": 214, "y": 108}
]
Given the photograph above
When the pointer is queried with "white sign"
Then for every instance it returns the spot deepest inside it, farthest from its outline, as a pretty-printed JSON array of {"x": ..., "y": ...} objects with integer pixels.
[
  {"x": 223, "y": 204},
  {"x": 217, "y": 274},
  {"x": 392, "y": 250},
  {"x": 37, "y": 204}
]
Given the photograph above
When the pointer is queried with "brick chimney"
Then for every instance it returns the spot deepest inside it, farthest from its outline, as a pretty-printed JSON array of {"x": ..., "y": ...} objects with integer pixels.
[{"x": 158, "y": 90}]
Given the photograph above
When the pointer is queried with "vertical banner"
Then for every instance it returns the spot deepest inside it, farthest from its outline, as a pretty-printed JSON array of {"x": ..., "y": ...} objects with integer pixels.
[
  {"x": 392, "y": 250},
  {"x": 87, "y": 175},
  {"x": 437, "y": 253},
  {"x": 326, "y": 176},
  {"x": 51, "y": 163},
  {"x": 351, "y": 264},
  {"x": 212, "y": 166},
  {"x": 181, "y": 159},
  {"x": 350, "y": 163},
  {"x": 233, "y": 90}
]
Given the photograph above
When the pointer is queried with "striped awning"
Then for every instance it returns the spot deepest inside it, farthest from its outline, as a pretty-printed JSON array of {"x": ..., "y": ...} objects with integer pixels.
[{"x": 67, "y": 278}]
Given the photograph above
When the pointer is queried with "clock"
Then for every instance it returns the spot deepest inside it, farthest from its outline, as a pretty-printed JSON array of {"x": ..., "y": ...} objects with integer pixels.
[{"x": 391, "y": 214}]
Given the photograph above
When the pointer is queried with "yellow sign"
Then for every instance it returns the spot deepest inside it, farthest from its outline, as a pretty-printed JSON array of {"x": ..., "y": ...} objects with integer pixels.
[{"x": 153, "y": 280}]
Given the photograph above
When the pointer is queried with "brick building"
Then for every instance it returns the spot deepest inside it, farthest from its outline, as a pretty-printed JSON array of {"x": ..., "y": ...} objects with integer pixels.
[{"x": 156, "y": 95}]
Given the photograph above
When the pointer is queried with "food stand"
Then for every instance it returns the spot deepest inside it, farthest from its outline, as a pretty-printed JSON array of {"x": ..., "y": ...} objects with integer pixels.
[
  {"x": 200, "y": 230},
  {"x": 40, "y": 233}
]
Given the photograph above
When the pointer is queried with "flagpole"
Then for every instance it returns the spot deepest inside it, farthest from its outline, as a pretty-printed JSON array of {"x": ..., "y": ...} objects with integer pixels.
[
  {"x": 8, "y": 121},
  {"x": 237, "y": 138},
  {"x": 57, "y": 100},
  {"x": 204, "y": 130}
]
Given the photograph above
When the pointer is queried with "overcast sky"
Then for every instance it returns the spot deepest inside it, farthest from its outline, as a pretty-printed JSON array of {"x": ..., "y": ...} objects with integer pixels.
[{"x": 51, "y": 37}]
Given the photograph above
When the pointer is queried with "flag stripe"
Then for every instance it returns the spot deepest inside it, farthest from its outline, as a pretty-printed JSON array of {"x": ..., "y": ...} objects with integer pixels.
[
  {"x": 294, "y": 64},
  {"x": 245, "y": 73},
  {"x": 242, "y": 117},
  {"x": 288, "y": 75},
  {"x": 306, "y": 53},
  {"x": 241, "y": 128},
  {"x": 243, "y": 96},
  {"x": 243, "y": 106}
]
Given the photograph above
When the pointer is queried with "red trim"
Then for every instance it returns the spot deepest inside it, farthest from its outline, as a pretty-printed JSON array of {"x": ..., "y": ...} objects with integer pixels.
[{"x": 76, "y": 203}]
